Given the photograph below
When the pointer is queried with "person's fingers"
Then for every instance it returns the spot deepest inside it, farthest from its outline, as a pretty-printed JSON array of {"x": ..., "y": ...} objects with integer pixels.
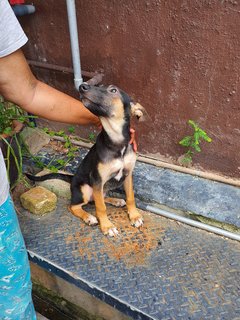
[
  {"x": 133, "y": 140},
  {"x": 132, "y": 132}
]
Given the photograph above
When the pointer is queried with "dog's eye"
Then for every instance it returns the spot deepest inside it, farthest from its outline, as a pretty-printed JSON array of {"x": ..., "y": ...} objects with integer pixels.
[{"x": 113, "y": 90}]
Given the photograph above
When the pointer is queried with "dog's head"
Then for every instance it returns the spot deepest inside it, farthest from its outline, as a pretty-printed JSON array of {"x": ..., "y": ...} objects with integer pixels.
[{"x": 110, "y": 102}]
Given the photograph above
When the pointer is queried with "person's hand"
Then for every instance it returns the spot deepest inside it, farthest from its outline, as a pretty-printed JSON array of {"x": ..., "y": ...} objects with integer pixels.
[{"x": 132, "y": 140}]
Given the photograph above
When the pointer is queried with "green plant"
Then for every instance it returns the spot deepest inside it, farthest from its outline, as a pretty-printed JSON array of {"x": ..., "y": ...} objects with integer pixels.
[
  {"x": 8, "y": 113},
  {"x": 57, "y": 164},
  {"x": 10, "y": 140},
  {"x": 71, "y": 129},
  {"x": 13, "y": 156},
  {"x": 92, "y": 137},
  {"x": 193, "y": 142}
]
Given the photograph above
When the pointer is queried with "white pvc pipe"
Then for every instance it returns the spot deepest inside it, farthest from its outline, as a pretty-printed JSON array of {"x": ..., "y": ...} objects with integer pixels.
[
  {"x": 190, "y": 222},
  {"x": 72, "y": 22}
]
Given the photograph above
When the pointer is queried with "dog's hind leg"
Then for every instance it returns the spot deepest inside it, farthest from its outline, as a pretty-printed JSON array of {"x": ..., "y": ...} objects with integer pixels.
[
  {"x": 80, "y": 197},
  {"x": 134, "y": 216},
  {"x": 115, "y": 202}
]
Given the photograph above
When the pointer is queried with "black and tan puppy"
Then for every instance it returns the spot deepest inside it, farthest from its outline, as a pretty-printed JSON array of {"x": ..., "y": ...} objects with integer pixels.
[{"x": 110, "y": 162}]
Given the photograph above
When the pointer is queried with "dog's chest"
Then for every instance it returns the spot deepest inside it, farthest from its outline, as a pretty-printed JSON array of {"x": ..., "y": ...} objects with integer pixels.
[{"x": 116, "y": 168}]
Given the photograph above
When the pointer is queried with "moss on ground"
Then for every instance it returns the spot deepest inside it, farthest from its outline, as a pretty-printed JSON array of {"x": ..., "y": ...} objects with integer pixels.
[{"x": 67, "y": 308}]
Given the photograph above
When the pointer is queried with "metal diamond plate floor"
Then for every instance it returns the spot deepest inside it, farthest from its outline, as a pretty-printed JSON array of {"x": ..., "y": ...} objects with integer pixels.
[{"x": 165, "y": 270}]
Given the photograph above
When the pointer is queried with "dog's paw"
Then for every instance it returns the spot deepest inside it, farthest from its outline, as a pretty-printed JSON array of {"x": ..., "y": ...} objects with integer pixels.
[
  {"x": 91, "y": 220},
  {"x": 135, "y": 218},
  {"x": 109, "y": 229},
  {"x": 137, "y": 222},
  {"x": 116, "y": 202},
  {"x": 120, "y": 203},
  {"x": 113, "y": 232}
]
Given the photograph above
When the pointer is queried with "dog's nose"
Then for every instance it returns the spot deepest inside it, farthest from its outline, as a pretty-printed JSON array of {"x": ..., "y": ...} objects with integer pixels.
[{"x": 84, "y": 87}]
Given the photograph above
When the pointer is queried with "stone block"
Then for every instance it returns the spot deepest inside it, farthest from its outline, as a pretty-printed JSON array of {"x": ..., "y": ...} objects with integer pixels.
[
  {"x": 59, "y": 187},
  {"x": 34, "y": 139},
  {"x": 39, "y": 200}
]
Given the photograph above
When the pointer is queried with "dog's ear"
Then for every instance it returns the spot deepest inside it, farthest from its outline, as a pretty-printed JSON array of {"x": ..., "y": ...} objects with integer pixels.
[{"x": 138, "y": 111}]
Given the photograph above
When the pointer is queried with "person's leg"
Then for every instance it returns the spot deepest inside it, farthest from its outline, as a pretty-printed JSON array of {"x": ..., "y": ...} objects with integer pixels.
[{"x": 15, "y": 282}]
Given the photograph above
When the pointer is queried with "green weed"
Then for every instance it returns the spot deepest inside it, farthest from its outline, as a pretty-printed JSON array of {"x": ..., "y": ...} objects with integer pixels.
[{"x": 192, "y": 143}]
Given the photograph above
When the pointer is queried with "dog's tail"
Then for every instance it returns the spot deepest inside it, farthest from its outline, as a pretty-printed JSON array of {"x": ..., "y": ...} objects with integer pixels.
[{"x": 61, "y": 176}]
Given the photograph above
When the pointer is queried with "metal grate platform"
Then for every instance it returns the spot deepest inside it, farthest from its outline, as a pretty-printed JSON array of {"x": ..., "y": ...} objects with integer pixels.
[{"x": 165, "y": 270}]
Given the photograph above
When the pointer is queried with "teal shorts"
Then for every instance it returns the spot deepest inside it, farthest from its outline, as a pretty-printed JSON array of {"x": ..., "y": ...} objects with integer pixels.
[{"x": 15, "y": 282}]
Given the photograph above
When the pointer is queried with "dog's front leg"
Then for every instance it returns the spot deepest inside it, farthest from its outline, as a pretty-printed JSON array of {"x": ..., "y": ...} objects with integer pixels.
[
  {"x": 105, "y": 224},
  {"x": 134, "y": 216}
]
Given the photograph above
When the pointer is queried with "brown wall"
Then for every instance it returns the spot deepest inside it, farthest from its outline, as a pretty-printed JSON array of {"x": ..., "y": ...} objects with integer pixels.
[{"x": 180, "y": 59}]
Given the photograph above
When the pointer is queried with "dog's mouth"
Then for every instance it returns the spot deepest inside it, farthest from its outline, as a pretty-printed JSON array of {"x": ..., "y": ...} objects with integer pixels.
[
  {"x": 96, "y": 100},
  {"x": 95, "y": 107},
  {"x": 82, "y": 97},
  {"x": 89, "y": 103}
]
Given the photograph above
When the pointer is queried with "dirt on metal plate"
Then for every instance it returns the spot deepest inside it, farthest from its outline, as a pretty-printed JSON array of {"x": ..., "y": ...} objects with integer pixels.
[{"x": 133, "y": 246}]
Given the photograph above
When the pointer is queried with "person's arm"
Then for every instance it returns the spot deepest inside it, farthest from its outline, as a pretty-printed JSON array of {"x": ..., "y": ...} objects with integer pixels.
[{"x": 18, "y": 84}]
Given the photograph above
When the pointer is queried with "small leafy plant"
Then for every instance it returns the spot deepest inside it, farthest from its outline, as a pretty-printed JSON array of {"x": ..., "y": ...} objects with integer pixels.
[
  {"x": 71, "y": 129},
  {"x": 9, "y": 140},
  {"x": 57, "y": 164},
  {"x": 193, "y": 142},
  {"x": 92, "y": 137},
  {"x": 69, "y": 149},
  {"x": 8, "y": 113}
]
